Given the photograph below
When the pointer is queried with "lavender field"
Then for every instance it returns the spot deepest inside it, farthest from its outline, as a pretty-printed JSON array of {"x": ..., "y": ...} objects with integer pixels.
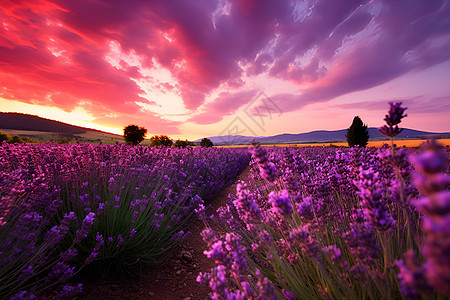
[
  {"x": 66, "y": 207},
  {"x": 309, "y": 223}
]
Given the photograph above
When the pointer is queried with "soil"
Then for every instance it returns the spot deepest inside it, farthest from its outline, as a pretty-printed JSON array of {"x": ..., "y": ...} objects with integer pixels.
[{"x": 176, "y": 277}]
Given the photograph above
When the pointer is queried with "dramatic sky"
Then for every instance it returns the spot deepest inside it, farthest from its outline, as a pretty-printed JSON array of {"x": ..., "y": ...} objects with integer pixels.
[{"x": 195, "y": 68}]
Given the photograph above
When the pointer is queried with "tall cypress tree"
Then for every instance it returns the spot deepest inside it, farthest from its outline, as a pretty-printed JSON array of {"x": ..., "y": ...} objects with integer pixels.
[{"x": 357, "y": 134}]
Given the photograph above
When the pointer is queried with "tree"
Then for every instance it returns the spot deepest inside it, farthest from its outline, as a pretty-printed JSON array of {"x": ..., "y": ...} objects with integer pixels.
[
  {"x": 134, "y": 134},
  {"x": 161, "y": 140},
  {"x": 206, "y": 143},
  {"x": 16, "y": 139},
  {"x": 181, "y": 144},
  {"x": 4, "y": 137},
  {"x": 357, "y": 134}
]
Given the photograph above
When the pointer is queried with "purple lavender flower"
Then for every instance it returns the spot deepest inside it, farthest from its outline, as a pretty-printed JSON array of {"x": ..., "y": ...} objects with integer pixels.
[
  {"x": 289, "y": 295},
  {"x": 305, "y": 208},
  {"x": 92, "y": 256},
  {"x": 204, "y": 278},
  {"x": 228, "y": 215},
  {"x": 361, "y": 272},
  {"x": 395, "y": 114},
  {"x": 216, "y": 252},
  {"x": 178, "y": 236},
  {"x": 337, "y": 258},
  {"x": 23, "y": 295},
  {"x": 267, "y": 169},
  {"x": 435, "y": 206},
  {"x": 393, "y": 118},
  {"x": 201, "y": 212},
  {"x": 362, "y": 243},
  {"x": 412, "y": 276},
  {"x": 119, "y": 240},
  {"x": 69, "y": 292},
  {"x": 99, "y": 239},
  {"x": 246, "y": 206},
  {"x": 209, "y": 236},
  {"x": 233, "y": 245},
  {"x": 431, "y": 160},
  {"x": 236, "y": 295},
  {"x": 69, "y": 254},
  {"x": 57, "y": 233},
  {"x": 218, "y": 283},
  {"x": 266, "y": 289},
  {"x": 300, "y": 235},
  {"x": 248, "y": 290},
  {"x": 100, "y": 208},
  {"x": 26, "y": 273},
  {"x": 61, "y": 271},
  {"x": 85, "y": 226},
  {"x": 371, "y": 193},
  {"x": 281, "y": 203}
]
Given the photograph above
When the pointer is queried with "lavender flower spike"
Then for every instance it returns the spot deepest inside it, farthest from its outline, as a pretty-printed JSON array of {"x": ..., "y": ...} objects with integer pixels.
[
  {"x": 281, "y": 203},
  {"x": 394, "y": 117},
  {"x": 246, "y": 206},
  {"x": 371, "y": 192},
  {"x": 267, "y": 169},
  {"x": 85, "y": 226},
  {"x": 435, "y": 206}
]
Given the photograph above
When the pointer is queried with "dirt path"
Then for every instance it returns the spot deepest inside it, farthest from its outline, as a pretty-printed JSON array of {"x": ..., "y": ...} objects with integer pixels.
[{"x": 175, "y": 278}]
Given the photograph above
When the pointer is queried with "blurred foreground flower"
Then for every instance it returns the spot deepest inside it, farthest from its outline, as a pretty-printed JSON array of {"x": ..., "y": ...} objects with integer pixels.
[
  {"x": 435, "y": 206},
  {"x": 434, "y": 273}
]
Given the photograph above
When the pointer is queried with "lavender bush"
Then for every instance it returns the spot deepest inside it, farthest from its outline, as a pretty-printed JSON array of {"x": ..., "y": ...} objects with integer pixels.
[
  {"x": 326, "y": 223},
  {"x": 64, "y": 207}
]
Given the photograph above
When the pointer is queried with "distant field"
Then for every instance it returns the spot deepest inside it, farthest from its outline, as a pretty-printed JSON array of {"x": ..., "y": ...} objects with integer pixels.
[{"x": 399, "y": 143}]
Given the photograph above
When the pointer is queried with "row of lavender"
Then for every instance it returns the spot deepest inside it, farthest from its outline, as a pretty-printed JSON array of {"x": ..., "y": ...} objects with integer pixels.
[
  {"x": 68, "y": 207},
  {"x": 323, "y": 223}
]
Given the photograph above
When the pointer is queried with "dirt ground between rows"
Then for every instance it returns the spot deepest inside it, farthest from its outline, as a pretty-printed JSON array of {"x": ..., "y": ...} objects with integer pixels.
[{"x": 176, "y": 277}]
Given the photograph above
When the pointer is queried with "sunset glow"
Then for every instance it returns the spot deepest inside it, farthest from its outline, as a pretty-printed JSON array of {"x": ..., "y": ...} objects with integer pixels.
[{"x": 188, "y": 69}]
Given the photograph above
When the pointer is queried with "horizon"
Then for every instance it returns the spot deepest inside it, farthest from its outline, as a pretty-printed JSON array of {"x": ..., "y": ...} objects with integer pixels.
[
  {"x": 254, "y": 68},
  {"x": 199, "y": 138}
]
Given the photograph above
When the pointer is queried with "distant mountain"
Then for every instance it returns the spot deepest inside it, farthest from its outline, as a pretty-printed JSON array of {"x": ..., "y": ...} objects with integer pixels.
[
  {"x": 318, "y": 136},
  {"x": 18, "y": 121},
  {"x": 230, "y": 139},
  {"x": 337, "y": 135}
]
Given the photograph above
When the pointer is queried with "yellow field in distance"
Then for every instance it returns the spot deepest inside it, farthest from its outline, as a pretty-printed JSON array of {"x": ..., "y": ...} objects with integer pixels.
[{"x": 398, "y": 143}]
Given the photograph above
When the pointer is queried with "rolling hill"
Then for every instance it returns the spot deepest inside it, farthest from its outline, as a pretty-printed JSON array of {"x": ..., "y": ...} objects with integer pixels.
[
  {"x": 39, "y": 128},
  {"x": 18, "y": 121}
]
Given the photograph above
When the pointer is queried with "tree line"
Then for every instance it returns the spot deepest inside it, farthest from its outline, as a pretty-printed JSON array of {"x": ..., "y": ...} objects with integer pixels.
[
  {"x": 12, "y": 139},
  {"x": 134, "y": 135}
]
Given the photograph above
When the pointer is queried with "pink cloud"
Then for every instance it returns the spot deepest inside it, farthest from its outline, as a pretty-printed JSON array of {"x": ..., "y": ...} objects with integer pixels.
[{"x": 225, "y": 104}]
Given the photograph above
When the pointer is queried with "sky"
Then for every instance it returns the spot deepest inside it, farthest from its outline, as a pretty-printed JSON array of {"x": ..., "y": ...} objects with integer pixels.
[{"x": 197, "y": 68}]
